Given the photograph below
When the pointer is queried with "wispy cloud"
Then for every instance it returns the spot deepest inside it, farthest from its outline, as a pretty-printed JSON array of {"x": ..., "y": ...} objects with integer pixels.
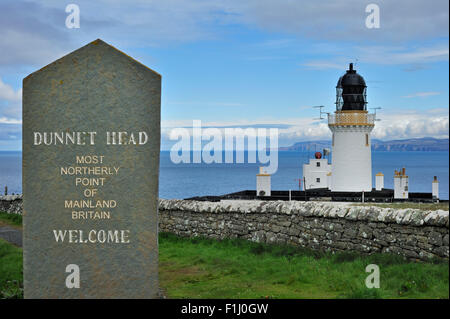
[
  {"x": 277, "y": 43},
  {"x": 199, "y": 103},
  {"x": 322, "y": 65},
  {"x": 389, "y": 55},
  {"x": 421, "y": 94},
  {"x": 5, "y": 120},
  {"x": 8, "y": 93},
  {"x": 415, "y": 67},
  {"x": 10, "y": 103},
  {"x": 416, "y": 58}
]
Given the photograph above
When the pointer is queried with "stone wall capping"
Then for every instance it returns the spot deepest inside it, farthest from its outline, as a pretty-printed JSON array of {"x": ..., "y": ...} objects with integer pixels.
[{"x": 412, "y": 217}]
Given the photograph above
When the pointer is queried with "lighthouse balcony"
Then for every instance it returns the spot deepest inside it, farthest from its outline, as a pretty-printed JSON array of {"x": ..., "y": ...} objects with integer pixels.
[{"x": 351, "y": 118}]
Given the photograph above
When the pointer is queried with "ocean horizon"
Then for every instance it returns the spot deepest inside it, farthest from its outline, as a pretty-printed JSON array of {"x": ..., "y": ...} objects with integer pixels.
[{"x": 191, "y": 179}]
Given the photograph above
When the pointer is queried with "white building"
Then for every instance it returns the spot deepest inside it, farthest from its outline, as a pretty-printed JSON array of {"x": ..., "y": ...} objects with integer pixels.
[
  {"x": 263, "y": 187},
  {"x": 379, "y": 181},
  {"x": 316, "y": 173},
  {"x": 401, "y": 184},
  {"x": 435, "y": 188},
  {"x": 351, "y": 125}
]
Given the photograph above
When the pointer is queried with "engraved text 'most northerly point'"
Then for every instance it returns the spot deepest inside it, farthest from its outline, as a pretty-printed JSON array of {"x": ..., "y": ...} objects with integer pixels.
[{"x": 89, "y": 170}]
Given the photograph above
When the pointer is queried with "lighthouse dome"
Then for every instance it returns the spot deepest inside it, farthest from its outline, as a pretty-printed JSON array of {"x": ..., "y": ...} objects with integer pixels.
[
  {"x": 351, "y": 79},
  {"x": 351, "y": 91}
]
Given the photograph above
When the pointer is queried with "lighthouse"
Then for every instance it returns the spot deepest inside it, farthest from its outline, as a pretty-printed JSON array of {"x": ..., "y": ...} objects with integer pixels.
[{"x": 351, "y": 125}]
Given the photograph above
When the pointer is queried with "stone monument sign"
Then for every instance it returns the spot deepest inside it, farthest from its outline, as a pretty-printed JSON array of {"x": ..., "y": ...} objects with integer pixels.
[{"x": 91, "y": 140}]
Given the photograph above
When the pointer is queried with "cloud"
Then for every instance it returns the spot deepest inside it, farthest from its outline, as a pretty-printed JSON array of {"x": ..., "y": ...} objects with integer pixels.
[
  {"x": 403, "y": 55},
  {"x": 34, "y": 32},
  {"x": 434, "y": 123},
  {"x": 31, "y": 33},
  {"x": 400, "y": 20},
  {"x": 5, "y": 120},
  {"x": 8, "y": 93},
  {"x": 10, "y": 103},
  {"x": 438, "y": 110},
  {"x": 413, "y": 124},
  {"x": 322, "y": 65},
  {"x": 415, "y": 67},
  {"x": 421, "y": 94},
  {"x": 416, "y": 58},
  {"x": 193, "y": 103},
  {"x": 10, "y": 135}
]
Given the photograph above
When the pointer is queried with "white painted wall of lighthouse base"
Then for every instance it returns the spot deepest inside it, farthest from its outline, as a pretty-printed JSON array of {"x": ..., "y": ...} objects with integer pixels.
[{"x": 351, "y": 159}]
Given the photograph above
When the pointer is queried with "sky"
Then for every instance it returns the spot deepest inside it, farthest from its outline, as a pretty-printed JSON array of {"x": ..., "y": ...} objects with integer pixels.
[{"x": 252, "y": 63}]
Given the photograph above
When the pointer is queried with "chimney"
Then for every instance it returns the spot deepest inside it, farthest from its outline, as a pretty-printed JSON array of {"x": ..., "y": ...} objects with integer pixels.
[
  {"x": 435, "y": 188},
  {"x": 379, "y": 181},
  {"x": 263, "y": 184}
]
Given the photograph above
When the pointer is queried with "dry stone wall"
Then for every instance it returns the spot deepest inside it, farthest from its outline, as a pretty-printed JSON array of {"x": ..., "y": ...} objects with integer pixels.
[
  {"x": 413, "y": 233},
  {"x": 11, "y": 204}
]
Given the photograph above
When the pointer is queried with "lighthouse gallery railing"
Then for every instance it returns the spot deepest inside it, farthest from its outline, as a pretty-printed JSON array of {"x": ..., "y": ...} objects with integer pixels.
[{"x": 351, "y": 118}]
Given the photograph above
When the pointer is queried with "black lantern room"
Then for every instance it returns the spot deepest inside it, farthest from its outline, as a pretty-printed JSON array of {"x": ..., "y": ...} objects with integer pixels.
[{"x": 351, "y": 92}]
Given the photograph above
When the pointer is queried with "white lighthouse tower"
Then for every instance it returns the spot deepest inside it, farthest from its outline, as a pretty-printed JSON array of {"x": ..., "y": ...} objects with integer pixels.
[{"x": 351, "y": 125}]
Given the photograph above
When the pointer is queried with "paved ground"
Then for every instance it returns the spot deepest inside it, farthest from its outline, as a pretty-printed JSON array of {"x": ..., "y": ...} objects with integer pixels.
[{"x": 11, "y": 235}]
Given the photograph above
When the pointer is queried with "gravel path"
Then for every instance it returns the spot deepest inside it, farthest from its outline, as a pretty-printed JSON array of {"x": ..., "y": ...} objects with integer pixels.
[{"x": 11, "y": 235}]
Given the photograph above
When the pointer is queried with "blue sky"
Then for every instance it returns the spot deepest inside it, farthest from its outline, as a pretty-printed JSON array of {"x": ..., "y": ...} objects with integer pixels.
[{"x": 248, "y": 63}]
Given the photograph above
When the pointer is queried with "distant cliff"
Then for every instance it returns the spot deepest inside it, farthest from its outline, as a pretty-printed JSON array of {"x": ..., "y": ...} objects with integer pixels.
[{"x": 426, "y": 144}]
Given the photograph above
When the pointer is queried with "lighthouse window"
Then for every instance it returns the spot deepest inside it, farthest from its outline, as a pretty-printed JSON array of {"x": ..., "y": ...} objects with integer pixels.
[
  {"x": 317, "y": 180},
  {"x": 367, "y": 139},
  {"x": 318, "y": 164}
]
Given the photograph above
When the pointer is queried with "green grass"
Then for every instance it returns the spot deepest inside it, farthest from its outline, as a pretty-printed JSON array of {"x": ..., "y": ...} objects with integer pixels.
[
  {"x": 11, "y": 279},
  {"x": 205, "y": 268},
  {"x": 423, "y": 206},
  {"x": 10, "y": 219}
]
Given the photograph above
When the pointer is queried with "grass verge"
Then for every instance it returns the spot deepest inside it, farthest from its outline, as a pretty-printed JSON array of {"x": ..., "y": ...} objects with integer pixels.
[
  {"x": 14, "y": 220},
  {"x": 207, "y": 268},
  {"x": 11, "y": 278}
]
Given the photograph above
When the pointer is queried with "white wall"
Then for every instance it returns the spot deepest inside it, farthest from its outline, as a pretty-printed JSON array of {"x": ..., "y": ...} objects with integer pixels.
[
  {"x": 435, "y": 189},
  {"x": 401, "y": 187},
  {"x": 311, "y": 172},
  {"x": 263, "y": 184},
  {"x": 352, "y": 159},
  {"x": 379, "y": 182}
]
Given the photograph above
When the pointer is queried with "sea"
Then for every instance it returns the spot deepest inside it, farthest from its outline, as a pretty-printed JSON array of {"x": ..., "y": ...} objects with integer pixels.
[{"x": 188, "y": 180}]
